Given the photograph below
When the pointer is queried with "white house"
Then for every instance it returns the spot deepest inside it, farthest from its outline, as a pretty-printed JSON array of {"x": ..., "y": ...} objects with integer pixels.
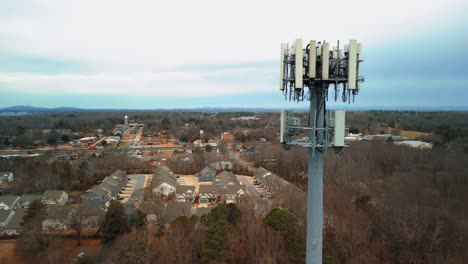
[
  {"x": 234, "y": 193},
  {"x": 185, "y": 193},
  {"x": 59, "y": 218},
  {"x": 55, "y": 198},
  {"x": 164, "y": 182},
  {"x": 6, "y": 176},
  {"x": 208, "y": 194}
]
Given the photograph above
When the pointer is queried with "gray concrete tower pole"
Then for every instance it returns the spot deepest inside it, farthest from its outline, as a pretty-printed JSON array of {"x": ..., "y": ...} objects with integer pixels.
[{"x": 315, "y": 179}]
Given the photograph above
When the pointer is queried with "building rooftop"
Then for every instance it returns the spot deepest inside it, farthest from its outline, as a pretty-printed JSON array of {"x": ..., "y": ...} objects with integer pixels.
[
  {"x": 208, "y": 188},
  {"x": 9, "y": 200},
  {"x": 163, "y": 175},
  {"x": 185, "y": 188},
  {"x": 175, "y": 210},
  {"x": 30, "y": 197},
  {"x": 53, "y": 194},
  {"x": 4, "y": 215},
  {"x": 59, "y": 212},
  {"x": 17, "y": 219}
]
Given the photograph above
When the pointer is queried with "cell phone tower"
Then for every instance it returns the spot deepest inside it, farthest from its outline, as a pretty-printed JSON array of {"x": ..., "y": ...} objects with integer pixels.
[{"x": 307, "y": 74}]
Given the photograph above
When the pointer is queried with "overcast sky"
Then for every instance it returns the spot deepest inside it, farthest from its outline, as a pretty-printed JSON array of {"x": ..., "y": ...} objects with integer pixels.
[{"x": 171, "y": 54}]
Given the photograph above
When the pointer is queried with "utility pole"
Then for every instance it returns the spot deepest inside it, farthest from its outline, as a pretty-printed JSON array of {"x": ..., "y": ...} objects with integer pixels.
[{"x": 307, "y": 74}]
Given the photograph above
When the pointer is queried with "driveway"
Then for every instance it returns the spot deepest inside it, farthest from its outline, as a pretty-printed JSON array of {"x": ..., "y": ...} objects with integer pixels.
[{"x": 138, "y": 181}]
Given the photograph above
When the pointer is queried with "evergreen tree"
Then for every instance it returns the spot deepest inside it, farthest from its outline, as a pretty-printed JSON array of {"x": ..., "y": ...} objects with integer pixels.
[
  {"x": 220, "y": 222},
  {"x": 31, "y": 240},
  {"x": 115, "y": 222},
  {"x": 286, "y": 222},
  {"x": 140, "y": 219}
]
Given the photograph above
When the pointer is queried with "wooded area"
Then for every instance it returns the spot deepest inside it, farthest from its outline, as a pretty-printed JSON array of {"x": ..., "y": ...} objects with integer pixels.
[{"x": 383, "y": 203}]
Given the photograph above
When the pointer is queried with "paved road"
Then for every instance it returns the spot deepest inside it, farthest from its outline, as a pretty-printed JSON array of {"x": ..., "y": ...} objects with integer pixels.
[
  {"x": 137, "y": 193},
  {"x": 69, "y": 151},
  {"x": 236, "y": 157}
]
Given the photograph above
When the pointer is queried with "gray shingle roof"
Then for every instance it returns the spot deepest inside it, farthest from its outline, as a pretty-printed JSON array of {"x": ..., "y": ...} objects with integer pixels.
[
  {"x": 272, "y": 181},
  {"x": 110, "y": 184},
  {"x": 30, "y": 197},
  {"x": 208, "y": 188},
  {"x": 224, "y": 178},
  {"x": 92, "y": 210},
  {"x": 152, "y": 208},
  {"x": 5, "y": 173},
  {"x": 207, "y": 170},
  {"x": 175, "y": 210},
  {"x": 53, "y": 194},
  {"x": 9, "y": 200},
  {"x": 233, "y": 189},
  {"x": 184, "y": 188},
  {"x": 4, "y": 215},
  {"x": 17, "y": 219},
  {"x": 59, "y": 212},
  {"x": 163, "y": 175}
]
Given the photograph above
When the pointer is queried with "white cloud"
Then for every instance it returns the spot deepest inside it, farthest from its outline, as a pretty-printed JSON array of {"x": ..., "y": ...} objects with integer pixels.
[
  {"x": 175, "y": 83},
  {"x": 127, "y": 43},
  {"x": 180, "y": 32}
]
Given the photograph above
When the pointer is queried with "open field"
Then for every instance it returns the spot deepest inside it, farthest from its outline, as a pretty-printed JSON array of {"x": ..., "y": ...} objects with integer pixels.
[
  {"x": 58, "y": 250},
  {"x": 409, "y": 134}
]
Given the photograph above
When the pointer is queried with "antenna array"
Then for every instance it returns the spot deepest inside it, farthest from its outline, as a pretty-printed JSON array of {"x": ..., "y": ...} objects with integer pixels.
[{"x": 317, "y": 65}]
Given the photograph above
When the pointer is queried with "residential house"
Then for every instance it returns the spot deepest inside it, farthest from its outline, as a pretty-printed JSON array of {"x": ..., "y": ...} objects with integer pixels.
[
  {"x": 114, "y": 182},
  {"x": 224, "y": 178},
  {"x": 5, "y": 218},
  {"x": 107, "y": 190},
  {"x": 26, "y": 199},
  {"x": 96, "y": 196},
  {"x": 59, "y": 218},
  {"x": 208, "y": 194},
  {"x": 271, "y": 181},
  {"x": 233, "y": 193},
  {"x": 221, "y": 165},
  {"x": 55, "y": 198},
  {"x": 206, "y": 175},
  {"x": 185, "y": 193},
  {"x": 91, "y": 216},
  {"x": 14, "y": 227},
  {"x": 164, "y": 181},
  {"x": 8, "y": 202},
  {"x": 6, "y": 176},
  {"x": 226, "y": 136}
]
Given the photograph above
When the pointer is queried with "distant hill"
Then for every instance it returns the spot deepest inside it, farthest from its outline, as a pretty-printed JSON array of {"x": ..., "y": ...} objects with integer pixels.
[{"x": 34, "y": 110}]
